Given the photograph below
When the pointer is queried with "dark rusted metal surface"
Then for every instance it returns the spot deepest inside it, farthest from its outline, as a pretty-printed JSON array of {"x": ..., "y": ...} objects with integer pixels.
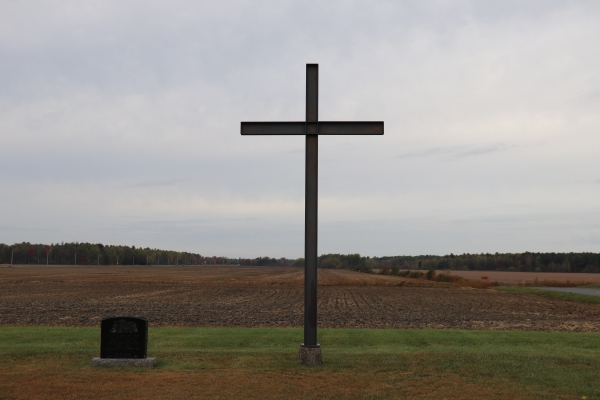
[
  {"x": 312, "y": 128},
  {"x": 310, "y": 206},
  {"x": 310, "y": 239},
  {"x": 319, "y": 128}
]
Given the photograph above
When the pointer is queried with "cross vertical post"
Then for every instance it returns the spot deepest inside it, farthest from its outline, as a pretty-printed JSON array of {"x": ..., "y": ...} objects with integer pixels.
[{"x": 311, "y": 208}]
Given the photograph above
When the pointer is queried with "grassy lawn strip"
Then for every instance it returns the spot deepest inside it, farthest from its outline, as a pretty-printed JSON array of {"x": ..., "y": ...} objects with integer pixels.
[
  {"x": 594, "y": 286},
  {"x": 37, "y": 362},
  {"x": 577, "y": 298}
]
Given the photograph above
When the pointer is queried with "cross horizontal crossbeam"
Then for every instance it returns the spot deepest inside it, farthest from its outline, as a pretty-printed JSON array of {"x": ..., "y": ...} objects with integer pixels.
[{"x": 313, "y": 128}]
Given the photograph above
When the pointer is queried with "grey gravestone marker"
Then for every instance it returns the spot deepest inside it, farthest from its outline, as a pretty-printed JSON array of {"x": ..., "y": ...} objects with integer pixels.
[{"x": 124, "y": 342}]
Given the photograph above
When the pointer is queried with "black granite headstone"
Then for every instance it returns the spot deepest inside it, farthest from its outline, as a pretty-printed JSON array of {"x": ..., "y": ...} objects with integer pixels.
[{"x": 123, "y": 337}]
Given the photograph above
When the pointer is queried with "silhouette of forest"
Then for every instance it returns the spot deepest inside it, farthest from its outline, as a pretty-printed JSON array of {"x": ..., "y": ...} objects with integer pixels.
[
  {"x": 99, "y": 254},
  {"x": 522, "y": 262}
]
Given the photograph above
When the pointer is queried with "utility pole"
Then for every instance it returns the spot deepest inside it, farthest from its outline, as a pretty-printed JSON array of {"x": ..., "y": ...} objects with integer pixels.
[{"x": 11, "y": 257}]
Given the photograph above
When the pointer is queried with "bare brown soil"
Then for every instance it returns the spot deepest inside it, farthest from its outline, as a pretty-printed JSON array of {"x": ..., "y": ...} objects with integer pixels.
[
  {"x": 195, "y": 276},
  {"x": 269, "y": 297}
]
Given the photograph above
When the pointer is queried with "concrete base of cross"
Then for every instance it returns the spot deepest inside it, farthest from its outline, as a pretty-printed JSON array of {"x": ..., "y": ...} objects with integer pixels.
[
  {"x": 310, "y": 355},
  {"x": 124, "y": 362}
]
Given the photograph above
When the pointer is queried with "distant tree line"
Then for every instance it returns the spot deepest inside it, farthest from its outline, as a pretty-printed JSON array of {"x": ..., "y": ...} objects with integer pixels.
[
  {"x": 345, "y": 261},
  {"x": 94, "y": 254},
  {"x": 523, "y": 262},
  {"x": 265, "y": 261}
]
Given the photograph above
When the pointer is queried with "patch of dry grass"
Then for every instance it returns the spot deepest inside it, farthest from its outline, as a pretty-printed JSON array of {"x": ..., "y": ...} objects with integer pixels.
[
  {"x": 48, "y": 383},
  {"x": 526, "y": 278},
  {"x": 557, "y": 283},
  {"x": 420, "y": 278}
]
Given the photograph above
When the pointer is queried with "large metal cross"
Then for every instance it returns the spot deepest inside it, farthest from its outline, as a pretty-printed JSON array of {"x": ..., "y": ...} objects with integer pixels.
[{"x": 311, "y": 128}]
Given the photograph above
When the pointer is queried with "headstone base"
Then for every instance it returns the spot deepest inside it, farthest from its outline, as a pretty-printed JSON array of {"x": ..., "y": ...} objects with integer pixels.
[
  {"x": 124, "y": 362},
  {"x": 310, "y": 355}
]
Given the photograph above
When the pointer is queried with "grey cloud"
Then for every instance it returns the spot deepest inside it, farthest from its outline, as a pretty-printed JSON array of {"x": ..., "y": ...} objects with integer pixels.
[
  {"x": 163, "y": 182},
  {"x": 434, "y": 151},
  {"x": 590, "y": 97},
  {"x": 477, "y": 151},
  {"x": 455, "y": 152}
]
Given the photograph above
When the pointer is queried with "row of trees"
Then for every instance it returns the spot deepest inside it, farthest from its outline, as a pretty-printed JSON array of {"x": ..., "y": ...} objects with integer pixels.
[
  {"x": 99, "y": 254},
  {"x": 523, "y": 262},
  {"x": 265, "y": 261},
  {"x": 94, "y": 254},
  {"x": 346, "y": 261}
]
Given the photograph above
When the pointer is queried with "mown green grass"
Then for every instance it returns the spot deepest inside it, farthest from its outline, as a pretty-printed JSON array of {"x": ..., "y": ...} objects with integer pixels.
[
  {"x": 574, "y": 297},
  {"x": 593, "y": 286},
  {"x": 531, "y": 364}
]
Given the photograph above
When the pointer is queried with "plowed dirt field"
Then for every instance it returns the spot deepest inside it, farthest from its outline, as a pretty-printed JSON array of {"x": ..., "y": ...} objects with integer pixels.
[{"x": 270, "y": 296}]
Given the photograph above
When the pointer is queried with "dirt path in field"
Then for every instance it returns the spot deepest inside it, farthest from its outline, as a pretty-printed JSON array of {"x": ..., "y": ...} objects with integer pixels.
[{"x": 252, "y": 297}]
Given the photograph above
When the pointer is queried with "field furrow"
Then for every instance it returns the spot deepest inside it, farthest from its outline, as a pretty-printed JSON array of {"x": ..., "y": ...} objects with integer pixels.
[{"x": 269, "y": 297}]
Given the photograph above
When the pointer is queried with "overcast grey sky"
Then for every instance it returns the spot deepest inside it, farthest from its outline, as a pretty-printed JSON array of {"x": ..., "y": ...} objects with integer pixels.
[{"x": 119, "y": 124}]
